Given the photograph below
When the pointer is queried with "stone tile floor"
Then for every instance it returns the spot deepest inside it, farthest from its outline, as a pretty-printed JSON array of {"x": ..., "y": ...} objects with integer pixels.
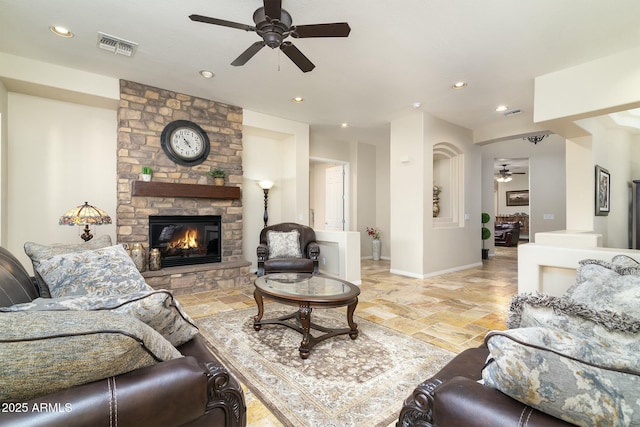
[{"x": 453, "y": 311}]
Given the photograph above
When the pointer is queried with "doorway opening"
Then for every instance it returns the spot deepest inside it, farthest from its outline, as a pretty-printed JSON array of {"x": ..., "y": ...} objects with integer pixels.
[{"x": 511, "y": 202}]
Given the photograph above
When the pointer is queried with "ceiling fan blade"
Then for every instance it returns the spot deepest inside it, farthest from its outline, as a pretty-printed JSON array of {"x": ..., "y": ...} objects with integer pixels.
[
  {"x": 248, "y": 54},
  {"x": 272, "y": 9},
  {"x": 297, "y": 57},
  {"x": 222, "y": 22},
  {"x": 338, "y": 29}
]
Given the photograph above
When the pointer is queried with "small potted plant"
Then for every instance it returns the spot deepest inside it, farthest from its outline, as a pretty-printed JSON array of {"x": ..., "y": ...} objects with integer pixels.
[
  {"x": 486, "y": 233},
  {"x": 146, "y": 173},
  {"x": 218, "y": 175}
]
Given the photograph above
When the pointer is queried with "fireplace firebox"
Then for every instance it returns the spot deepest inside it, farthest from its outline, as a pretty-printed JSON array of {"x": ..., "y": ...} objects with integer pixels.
[{"x": 186, "y": 239}]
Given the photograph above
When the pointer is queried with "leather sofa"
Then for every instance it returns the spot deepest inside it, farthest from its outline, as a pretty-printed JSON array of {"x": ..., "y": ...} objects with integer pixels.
[
  {"x": 194, "y": 390},
  {"x": 453, "y": 397},
  {"x": 507, "y": 233},
  {"x": 309, "y": 250}
]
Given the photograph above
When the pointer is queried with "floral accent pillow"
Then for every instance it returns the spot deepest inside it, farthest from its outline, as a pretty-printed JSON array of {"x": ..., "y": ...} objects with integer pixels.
[
  {"x": 37, "y": 253},
  {"x": 99, "y": 272},
  {"x": 601, "y": 287},
  {"x": 582, "y": 380},
  {"x": 284, "y": 244},
  {"x": 157, "y": 309},
  {"x": 565, "y": 314}
]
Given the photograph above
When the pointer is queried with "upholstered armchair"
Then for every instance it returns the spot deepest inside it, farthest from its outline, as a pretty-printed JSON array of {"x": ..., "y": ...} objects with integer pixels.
[{"x": 288, "y": 247}]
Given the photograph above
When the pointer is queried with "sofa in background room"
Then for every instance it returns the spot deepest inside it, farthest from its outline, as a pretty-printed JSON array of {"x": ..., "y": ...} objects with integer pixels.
[{"x": 507, "y": 233}]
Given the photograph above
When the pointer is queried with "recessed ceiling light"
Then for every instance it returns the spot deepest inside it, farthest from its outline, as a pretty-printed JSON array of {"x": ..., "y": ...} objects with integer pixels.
[
  {"x": 60, "y": 31},
  {"x": 206, "y": 74},
  {"x": 501, "y": 108},
  {"x": 298, "y": 99},
  {"x": 344, "y": 125},
  {"x": 416, "y": 105},
  {"x": 459, "y": 85}
]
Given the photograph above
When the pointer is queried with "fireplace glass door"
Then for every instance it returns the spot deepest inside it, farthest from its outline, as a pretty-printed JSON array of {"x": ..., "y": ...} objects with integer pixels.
[{"x": 185, "y": 240}]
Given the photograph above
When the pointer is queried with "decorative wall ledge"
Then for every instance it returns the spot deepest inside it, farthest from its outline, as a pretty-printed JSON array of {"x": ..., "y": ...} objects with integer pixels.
[{"x": 170, "y": 189}]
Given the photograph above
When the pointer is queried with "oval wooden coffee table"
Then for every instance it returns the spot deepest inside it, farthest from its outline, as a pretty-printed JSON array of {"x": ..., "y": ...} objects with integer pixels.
[{"x": 306, "y": 292}]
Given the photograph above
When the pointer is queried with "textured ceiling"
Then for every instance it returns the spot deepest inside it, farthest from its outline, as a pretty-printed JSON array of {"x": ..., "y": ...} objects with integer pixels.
[{"x": 397, "y": 53}]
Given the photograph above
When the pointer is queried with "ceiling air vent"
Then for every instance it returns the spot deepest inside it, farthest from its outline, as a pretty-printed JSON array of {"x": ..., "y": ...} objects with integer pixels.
[
  {"x": 116, "y": 45},
  {"x": 512, "y": 113}
]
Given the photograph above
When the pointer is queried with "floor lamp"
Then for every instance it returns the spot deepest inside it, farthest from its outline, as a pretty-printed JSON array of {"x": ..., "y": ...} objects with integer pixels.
[{"x": 266, "y": 185}]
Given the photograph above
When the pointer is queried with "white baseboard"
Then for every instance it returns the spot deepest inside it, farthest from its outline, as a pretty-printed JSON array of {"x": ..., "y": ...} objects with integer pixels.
[{"x": 435, "y": 273}]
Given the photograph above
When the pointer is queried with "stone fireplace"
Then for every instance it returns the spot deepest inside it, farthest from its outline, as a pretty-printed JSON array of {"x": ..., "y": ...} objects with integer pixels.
[{"x": 178, "y": 190}]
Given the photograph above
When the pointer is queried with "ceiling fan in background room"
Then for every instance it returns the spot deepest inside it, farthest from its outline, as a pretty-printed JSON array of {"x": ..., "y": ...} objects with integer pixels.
[
  {"x": 504, "y": 175},
  {"x": 274, "y": 25}
]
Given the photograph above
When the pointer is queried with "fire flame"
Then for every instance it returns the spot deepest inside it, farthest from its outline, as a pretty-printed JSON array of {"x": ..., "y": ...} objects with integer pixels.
[{"x": 187, "y": 241}]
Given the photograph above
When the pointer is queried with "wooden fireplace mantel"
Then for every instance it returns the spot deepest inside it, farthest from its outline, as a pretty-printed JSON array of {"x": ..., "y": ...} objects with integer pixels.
[{"x": 171, "y": 189}]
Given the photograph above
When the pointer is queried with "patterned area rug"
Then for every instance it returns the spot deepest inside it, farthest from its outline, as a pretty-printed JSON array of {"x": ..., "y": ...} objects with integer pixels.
[{"x": 344, "y": 382}]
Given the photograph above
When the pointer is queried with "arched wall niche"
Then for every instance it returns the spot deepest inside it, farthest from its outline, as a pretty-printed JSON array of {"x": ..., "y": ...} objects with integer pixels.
[{"x": 448, "y": 170}]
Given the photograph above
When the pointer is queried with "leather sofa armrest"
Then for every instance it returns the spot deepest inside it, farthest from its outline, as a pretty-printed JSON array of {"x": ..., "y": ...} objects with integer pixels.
[
  {"x": 170, "y": 393},
  {"x": 463, "y": 401},
  {"x": 223, "y": 389}
]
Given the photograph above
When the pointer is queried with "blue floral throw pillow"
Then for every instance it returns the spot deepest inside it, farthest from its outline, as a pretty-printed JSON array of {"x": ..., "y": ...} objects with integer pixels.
[
  {"x": 38, "y": 253},
  {"x": 99, "y": 272},
  {"x": 582, "y": 380}
]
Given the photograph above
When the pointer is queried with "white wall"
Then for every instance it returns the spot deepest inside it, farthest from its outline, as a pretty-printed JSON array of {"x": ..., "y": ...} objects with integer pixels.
[
  {"x": 612, "y": 149},
  {"x": 4, "y": 100},
  {"x": 278, "y": 150},
  {"x": 518, "y": 183},
  {"x": 418, "y": 248},
  {"x": 407, "y": 210},
  {"x": 60, "y": 155},
  {"x": 591, "y": 89}
]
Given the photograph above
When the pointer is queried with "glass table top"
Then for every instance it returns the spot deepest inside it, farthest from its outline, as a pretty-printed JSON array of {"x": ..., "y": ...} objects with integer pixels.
[{"x": 305, "y": 285}]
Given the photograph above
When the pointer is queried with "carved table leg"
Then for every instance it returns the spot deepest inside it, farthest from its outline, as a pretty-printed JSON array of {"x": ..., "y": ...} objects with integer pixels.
[
  {"x": 353, "y": 333},
  {"x": 256, "y": 319},
  {"x": 305, "y": 320}
]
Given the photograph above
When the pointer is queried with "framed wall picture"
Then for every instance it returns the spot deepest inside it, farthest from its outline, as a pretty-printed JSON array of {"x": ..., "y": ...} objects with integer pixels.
[
  {"x": 603, "y": 191},
  {"x": 518, "y": 198}
]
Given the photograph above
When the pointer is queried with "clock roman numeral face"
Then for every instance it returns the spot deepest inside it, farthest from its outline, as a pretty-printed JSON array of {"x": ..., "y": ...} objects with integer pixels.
[{"x": 187, "y": 143}]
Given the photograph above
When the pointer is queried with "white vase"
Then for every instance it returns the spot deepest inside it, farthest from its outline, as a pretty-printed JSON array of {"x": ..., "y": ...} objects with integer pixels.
[
  {"x": 375, "y": 245},
  {"x": 146, "y": 177}
]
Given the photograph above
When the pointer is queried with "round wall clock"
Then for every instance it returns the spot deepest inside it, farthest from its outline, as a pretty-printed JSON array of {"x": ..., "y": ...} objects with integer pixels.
[{"x": 185, "y": 143}]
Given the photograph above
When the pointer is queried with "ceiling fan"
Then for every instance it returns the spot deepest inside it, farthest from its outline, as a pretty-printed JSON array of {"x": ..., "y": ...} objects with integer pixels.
[
  {"x": 274, "y": 25},
  {"x": 504, "y": 175}
]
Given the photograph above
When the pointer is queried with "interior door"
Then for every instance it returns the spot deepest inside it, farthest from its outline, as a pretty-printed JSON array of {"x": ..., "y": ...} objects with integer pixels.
[{"x": 334, "y": 198}]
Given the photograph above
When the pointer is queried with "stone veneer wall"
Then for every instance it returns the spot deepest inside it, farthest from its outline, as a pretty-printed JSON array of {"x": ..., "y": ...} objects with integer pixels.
[{"x": 143, "y": 113}]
